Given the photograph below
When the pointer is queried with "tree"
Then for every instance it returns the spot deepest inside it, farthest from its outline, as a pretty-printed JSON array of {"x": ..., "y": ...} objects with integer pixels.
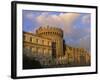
[{"x": 29, "y": 61}]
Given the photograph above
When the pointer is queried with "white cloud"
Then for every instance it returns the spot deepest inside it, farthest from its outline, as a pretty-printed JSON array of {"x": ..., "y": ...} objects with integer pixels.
[
  {"x": 86, "y": 19},
  {"x": 63, "y": 20},
  {"x": 29, "y": 15}
]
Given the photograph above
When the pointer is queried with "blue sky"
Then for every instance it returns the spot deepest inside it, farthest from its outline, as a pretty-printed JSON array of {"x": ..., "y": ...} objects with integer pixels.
[{"x": 76, "y": 26}]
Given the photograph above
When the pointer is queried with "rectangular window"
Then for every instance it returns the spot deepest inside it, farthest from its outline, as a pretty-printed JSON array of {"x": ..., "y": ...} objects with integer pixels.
[
  {"x": 48, "y": 42},
  {"x": 43, "y": 50},
  {"x": 42, "y": 41},
  {"x": 27, "y": 38},
  {"x": 50, "y": 51},
  {"x": 32, "y": 49},
  {"x": 53, "y": 44},
  {"x": 30, "y": 39},
  {"x": 36, "y": 40}
]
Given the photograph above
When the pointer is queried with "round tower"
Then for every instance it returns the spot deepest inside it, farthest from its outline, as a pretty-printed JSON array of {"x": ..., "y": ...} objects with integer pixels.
[{"x": 56, "y": 35}]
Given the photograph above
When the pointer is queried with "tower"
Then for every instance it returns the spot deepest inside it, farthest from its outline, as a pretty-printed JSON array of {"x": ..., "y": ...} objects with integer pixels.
[{"x": 56, "y": 35}]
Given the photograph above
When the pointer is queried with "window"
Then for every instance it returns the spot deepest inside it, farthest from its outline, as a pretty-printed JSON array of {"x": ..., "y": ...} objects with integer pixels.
[
  {"x": 33, "y": 49},
  {"x": 43, "y": 50},
  {"x": 30, "y": 39},
  {"x": 48, "y": 42},
  {"x": 39, "y": 50},
  {"x": 36, "y": 40},
  {"x": 42, "y": 41},
  {"x": 49, "y": 51},
  {"x": 27, "y": 38},
  {"x": 46, "y": 33},
  {"x": 53, "y": 44}
]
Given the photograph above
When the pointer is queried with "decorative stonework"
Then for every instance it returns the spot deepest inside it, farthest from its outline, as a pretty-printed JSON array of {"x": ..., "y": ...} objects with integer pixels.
[{"x": 48, "y": 42}]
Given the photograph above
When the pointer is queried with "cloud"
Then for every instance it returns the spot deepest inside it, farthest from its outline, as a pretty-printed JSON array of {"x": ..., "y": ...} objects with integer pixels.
[
  {"x": 29, "y": 15},
  {"x": 86, "y": 19},
  {"x": 63, "y": 20},
  {"x": 77, "y": 36},
  {"x": 85, "y": 42},
  {"x": 75, "y": 25}
]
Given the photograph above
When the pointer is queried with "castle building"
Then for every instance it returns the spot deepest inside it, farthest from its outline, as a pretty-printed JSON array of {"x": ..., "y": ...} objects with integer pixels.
[
  {"x": 49, "y": 41},
  {"x": 37, "y": 44}
]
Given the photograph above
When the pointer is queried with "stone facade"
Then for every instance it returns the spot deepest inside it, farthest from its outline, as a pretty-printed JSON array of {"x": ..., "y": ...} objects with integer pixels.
[{"x": 48, "y": 41}]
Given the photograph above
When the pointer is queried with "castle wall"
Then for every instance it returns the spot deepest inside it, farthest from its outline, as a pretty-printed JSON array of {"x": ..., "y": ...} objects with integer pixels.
[
  {"x": 37, "y": 44},
  {"x": 48, "y": 42},
  {"x": 77, "y": 55},
  {"x": 55, "y": 34}
]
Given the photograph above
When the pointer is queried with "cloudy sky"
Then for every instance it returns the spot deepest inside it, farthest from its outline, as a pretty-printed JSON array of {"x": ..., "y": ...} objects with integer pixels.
[{"x": 76, "y": 26}]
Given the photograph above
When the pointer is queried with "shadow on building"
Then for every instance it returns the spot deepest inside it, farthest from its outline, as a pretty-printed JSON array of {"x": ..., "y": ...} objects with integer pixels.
[{"x": 47, "y": 49}]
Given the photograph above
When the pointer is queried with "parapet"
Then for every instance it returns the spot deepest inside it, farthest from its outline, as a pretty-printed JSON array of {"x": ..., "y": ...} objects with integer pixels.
[{"x": 49, "y": 30}]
